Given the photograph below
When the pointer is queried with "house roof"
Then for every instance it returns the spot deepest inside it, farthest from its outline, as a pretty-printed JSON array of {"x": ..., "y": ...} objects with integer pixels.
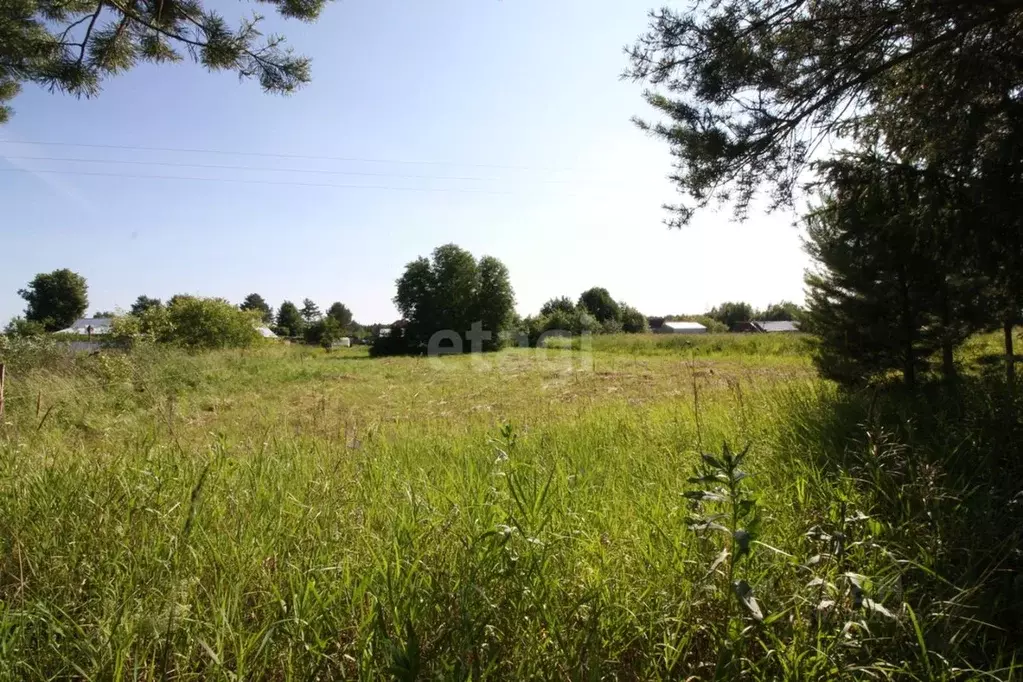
[
  {"x": 678, "y": 325},
  {"x": 100, "y": 325},
  {"x": 778, "y": 326},
  {"x": 266, "y": 332}
]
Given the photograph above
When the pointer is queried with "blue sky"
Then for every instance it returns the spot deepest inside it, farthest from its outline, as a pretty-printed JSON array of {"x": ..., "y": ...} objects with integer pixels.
[{"x": 509, "y": 113}]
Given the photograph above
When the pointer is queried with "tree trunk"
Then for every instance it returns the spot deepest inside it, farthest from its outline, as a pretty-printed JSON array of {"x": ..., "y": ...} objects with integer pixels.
[
  {"x": 1010, "y": 360},
  {"x": 948, "y": 364},
  {"x": 909, "y": 366}
]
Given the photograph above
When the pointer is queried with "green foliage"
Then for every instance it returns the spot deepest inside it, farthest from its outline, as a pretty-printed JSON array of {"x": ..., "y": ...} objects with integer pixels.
[
  {"x": 340, "y": 313},
  {"x": 208, "y": 323},
  {"x": 21, "y": 328},
  {"x": 598, "y": 302},
  {"x": 73, "y": 45},
  {"x": 884, "y": 296},
  {"x": 289, "y": 320},
  {"x": 560, "y": 322},
  {"x": 310, "y": 311},
  {"x": 104, "y": 314},
  {"x": 633, "y": 321},
  {"x": 731, "y": 312},
  {"x": 332, "y": 332},
  {"x": 56, "y": 299},
  {"x": 144, "y": 303},
  {"x": 786, "y": 311},
  {"x": 495, "y": 301},
  {"x": 562, "y": 303},
  {"x": 748, "y": 88},
  {"x": 326, "y": 494},
  {"x": 151, "y": 325},
  {"x": 323, "y": 332},
  {"x": 451, "y": 292},
  {"x": 722, "y": 507},
  {"x": 257, "y": 303}
]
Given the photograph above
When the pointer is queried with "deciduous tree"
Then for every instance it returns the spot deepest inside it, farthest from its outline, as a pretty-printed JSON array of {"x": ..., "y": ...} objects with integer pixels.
[
  {"x": 450, "y": 292},
  {"x": 340, "y": 313},
  {"x": 598, "y": 302},
  {"x": 56, "y": 299}
]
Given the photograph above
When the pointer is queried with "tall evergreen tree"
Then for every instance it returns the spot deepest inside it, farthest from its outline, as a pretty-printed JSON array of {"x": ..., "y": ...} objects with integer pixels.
[
  {"x": 289, "y": 320},
  {"x": 144, "y": 303},
  {"x": 258, "y": 303},
  {"x": 310, "y": 311},
  {"x": 883, "y": 297}
]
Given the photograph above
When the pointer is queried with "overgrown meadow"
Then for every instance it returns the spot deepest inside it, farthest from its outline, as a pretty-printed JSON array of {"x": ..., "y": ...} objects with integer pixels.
[{"x": 646, "y": 508}]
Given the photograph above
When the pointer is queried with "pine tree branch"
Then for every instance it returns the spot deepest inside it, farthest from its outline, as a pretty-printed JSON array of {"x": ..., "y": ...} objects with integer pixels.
[
  {"x": 71, "y": 26},
  {"x": 88, "y": 32}
]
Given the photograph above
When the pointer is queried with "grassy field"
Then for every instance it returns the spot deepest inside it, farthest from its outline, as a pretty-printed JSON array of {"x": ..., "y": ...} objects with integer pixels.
[{"x": 286, "y": 514}]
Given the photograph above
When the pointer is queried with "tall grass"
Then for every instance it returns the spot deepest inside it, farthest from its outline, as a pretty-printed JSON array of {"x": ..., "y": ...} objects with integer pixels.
[
  {"x": 752, "y": 346},
  {"x": 289, "y": 514}
]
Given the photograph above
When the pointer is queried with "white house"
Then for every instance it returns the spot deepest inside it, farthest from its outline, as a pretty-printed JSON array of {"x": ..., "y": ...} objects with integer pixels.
[{"x": 673, "y": 327}]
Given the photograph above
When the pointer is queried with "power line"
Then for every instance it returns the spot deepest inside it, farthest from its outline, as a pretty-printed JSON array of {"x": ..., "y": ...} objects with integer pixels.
[
  {"x": 280, "y": 156},
  {"x": 454, "y": 190},
  {"x": 173, "y": 164}
]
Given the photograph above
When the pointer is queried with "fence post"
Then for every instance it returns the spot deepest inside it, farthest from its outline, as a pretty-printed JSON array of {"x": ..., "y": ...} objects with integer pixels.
[{"x": 3, "y": 376}]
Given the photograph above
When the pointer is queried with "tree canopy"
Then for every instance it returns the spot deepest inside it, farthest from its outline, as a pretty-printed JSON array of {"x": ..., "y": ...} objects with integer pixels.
[
  {"x": 340, "y": 313},
  {"x": 562, "y": 303},
  {"x": 749, "y": 89},
  {"x": 732, "y": 312},
  {"x": 310, "y": 311},
  {"x": 449, "y": 293},
  {"x": 73, "y": 45},
  {"x": 258, "y": 303},
  {"x": 289, "y": 320},
  {"x": 598, "y": 302},
  {"x": 56, "y": 299},
  {"x": 144, "y": 303}
]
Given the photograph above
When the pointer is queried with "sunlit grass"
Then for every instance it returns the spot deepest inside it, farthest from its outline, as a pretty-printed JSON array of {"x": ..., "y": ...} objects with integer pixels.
[{"x": 284, "y": 513}]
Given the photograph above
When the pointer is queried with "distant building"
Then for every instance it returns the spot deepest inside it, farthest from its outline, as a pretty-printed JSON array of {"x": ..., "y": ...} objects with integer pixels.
[
  {"x": 87, "y": 326},
  {"x": 87, "y": 333},
  {"x": 764, "y": 327},
  {"x": 679, "y": 327},
  {"x": 266, "y": 332}
]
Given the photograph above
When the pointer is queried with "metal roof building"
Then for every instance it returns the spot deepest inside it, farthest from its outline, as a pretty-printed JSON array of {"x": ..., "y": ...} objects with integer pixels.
[
  {"x": 673, "y": 327},
  {"x": 89, "y": 325}
]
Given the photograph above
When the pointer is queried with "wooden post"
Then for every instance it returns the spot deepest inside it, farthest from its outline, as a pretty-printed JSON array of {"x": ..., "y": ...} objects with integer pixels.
[{"x": 3, "y": 377}]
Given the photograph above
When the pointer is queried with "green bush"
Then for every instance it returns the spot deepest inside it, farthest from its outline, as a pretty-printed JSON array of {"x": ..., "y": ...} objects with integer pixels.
[
  {"x": 204, "y": 323},
  {"x": 190, "y": 322}
]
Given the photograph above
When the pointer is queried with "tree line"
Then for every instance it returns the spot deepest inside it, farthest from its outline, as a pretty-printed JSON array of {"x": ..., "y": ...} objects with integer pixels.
[
  {"x": 55, "y": 300},
  {"x": 913, "y": 224}
]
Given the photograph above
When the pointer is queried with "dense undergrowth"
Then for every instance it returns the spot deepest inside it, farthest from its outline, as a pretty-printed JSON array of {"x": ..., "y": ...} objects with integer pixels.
[{"x": 279, "y": 513}]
